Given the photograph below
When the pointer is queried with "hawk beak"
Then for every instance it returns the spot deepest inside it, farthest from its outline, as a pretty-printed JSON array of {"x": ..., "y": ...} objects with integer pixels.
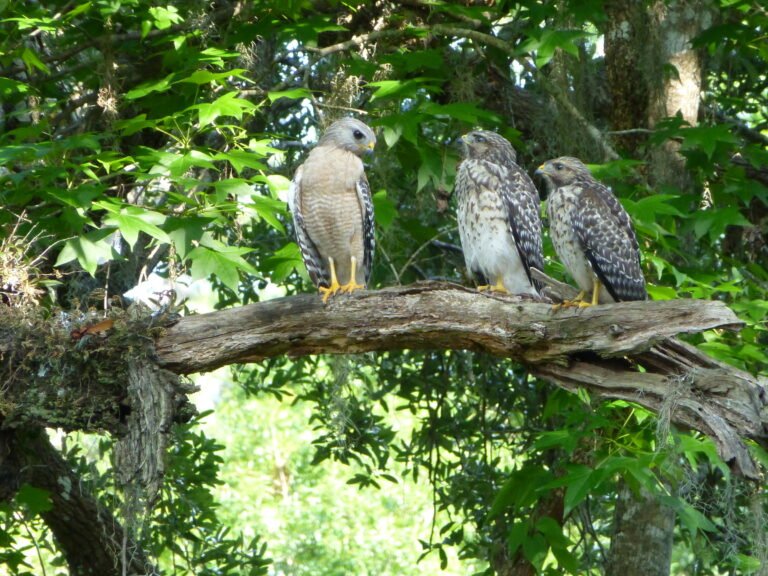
[
  {"x": 371, "y": 145},
  {"x": 541, "y": 170}
]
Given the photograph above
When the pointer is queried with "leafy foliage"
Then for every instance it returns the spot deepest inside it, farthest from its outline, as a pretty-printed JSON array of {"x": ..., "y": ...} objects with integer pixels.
[{"x": 139, "y": 138}]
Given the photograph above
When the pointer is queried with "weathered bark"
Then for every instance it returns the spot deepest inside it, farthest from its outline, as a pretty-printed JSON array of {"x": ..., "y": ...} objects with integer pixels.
[
  {"x": 92, "y": 541},
  {"x": 429, "y": 315},
  {"x": 641, "y": 543},
  {"x": 628, "y": 28},
  {"x": 675, "y": 23},
  {"x": 570, "y": 347}
]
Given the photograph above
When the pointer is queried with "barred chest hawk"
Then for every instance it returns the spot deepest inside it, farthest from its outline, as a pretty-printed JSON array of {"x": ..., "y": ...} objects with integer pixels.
[
  {"x": 592, "y": 234},
  {"x": 498, "y": 215},
  {"x": 332, "y": 209}
]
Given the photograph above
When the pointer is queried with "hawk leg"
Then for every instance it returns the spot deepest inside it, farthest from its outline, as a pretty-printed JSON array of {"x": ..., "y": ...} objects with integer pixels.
[
  {"x": 352, "y": 285},
  {"x": 334, "y": 287},
  {"x": 595, "y": 293},
  {"x": 498, "y": 287}
]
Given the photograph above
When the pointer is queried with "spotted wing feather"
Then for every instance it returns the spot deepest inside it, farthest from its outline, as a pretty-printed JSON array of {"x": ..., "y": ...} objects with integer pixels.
[
  {"x": 522, "y": 202},
  {"x": 605, "y": 231},
  {"x": 319, "y": 274},
  {"x": 369, "y": 238}
]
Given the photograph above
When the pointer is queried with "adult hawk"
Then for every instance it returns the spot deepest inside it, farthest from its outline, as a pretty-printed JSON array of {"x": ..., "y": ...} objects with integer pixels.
[
  {"x": 332, "y": 209},
  {"x": 592, "y": 234},
  {"x": 498, "y": 215}
]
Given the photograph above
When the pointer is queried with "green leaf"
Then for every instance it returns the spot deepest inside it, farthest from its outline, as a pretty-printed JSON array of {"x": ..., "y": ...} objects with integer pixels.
[
  {"x": 384, "y": 209},
  {"x": 560, "y": 439},
  {"x": 578, "y": 483},
  {"x": 31, "y": 60},
  {"x": 186, "y": 233},
  {"x": 241, "y": 159},
  {"x": 206, "y": 76},
  {"x": 90, "y": 250},
  {"x": 213, "y": 257},
  {"x": 154, "y": 86},
  {"x": 165, "y": 17},
  {"x": 706, "y": 138},
  {"x": 402, "y": 88},
  {"x": 132, "y": 219},
  {"x": 35, "y": 500},
  {"x": 236, "y": 187},
  {"x": 551, "y": 40},
  {"x": 520, "y": 490},
  {"x": 516, "y": 536},
  {"x": 294, "y": 94},
  {"x": 269, "y": 209},
  {"x": 283, "y": 262},
  {"x": 227, "y": 105},
  {"x": 10, "y": 87},
  {"x": 714, "y": 222}
]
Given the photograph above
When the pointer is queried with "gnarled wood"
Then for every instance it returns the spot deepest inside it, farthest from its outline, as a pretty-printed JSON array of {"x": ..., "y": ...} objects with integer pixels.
[
  {"x": 429, "y": 316},
  {"x": 571, "y": 347}
]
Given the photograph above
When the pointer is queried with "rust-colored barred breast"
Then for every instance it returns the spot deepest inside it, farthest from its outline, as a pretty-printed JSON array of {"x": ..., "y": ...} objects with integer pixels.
[{"x": 332, "y": 212}]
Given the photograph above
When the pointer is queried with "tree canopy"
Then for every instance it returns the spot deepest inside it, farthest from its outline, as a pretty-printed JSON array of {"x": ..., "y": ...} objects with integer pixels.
[{"x": 156, "y": 141}]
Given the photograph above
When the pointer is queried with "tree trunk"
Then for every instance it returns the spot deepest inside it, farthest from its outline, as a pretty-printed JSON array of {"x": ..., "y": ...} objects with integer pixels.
[
  {"x": 643, "y": 529},
  {"x": 92, "y": 541},
  {"x": 677, "y": 83},
  {"x": 627, "y": 69},
  {"x": 653, "y": 70}
]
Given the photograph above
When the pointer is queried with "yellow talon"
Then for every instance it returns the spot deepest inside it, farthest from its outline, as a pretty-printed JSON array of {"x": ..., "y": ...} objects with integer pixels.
[
  {"x": 577, "y": 302},
  {"x": 498, "y": 287},
  {"x": 352, "y": 285},
  {"x": 334, "y": 287}
]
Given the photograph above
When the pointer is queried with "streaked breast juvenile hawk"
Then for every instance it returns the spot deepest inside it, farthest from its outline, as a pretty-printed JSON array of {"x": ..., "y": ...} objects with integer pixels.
[
  {"x": 498, "y": 215},
  {"x": 332, "y": 209},
  {"x": 592, "y": 234}
]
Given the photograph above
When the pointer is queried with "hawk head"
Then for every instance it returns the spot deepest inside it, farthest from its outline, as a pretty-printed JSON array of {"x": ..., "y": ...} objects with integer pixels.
[
  {"x": 485, "y": 145},
  {"x": 564, "y": 171},
  {"x": 349, "y": 134}
]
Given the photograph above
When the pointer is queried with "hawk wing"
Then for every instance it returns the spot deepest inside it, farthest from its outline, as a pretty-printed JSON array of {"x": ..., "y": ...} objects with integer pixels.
[
  {"x": 369, "y": 239},
  {"x": 605, "y": 231},
  {"x": 317, "y": 271},
  {"x": 522, "y": 202}
]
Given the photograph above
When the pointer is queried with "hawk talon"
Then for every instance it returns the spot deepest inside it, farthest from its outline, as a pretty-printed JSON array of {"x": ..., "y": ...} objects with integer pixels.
[
  {"x": 352, "y": 285},
  {"x": 498, "y": 287},
  {"x": 334, "y": 287},
  {"x": 577, "y": 302},
  {"x": 329, "y": 291}
]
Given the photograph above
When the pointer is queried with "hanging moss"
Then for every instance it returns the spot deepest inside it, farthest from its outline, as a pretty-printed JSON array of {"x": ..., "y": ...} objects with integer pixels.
[{"x": 58, "y": 372}]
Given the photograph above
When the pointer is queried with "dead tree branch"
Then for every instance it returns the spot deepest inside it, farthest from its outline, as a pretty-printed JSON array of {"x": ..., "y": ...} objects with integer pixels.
[{"x": 595, "y": 348}]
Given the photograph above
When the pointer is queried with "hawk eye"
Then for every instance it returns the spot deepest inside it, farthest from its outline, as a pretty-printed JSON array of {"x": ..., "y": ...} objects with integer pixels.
[
  {"x": 479, "y": 138},
  {"x": 358, "y": 135},
  {"x": 558, "y": 166}
]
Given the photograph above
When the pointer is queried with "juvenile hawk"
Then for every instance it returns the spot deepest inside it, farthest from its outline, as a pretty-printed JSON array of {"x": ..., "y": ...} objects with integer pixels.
[
  {"x": 592, "y": 234},
  {"x": 332, "y": 209},
  {"x": 498, "y": 215}
]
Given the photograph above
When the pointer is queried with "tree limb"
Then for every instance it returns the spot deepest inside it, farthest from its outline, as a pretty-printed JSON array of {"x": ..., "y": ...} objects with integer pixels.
[
  {"x": 51, "y": 380},
  {"x": 571, "y": 347}
]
